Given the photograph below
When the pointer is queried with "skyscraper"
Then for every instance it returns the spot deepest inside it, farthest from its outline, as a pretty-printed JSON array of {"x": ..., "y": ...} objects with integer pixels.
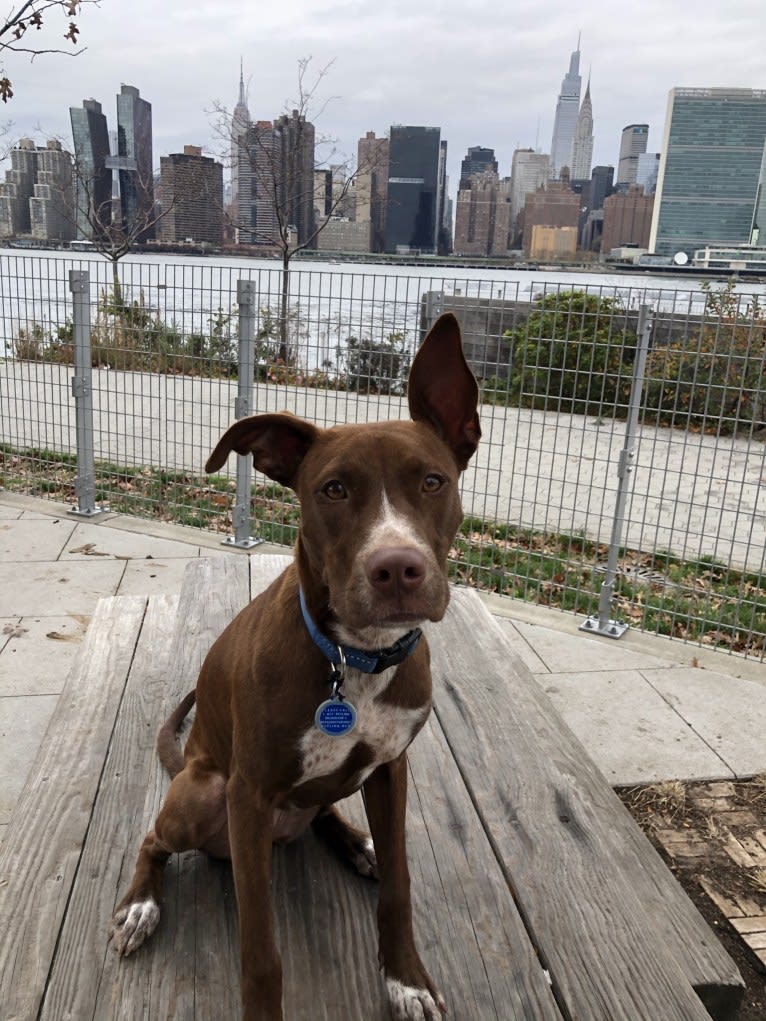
[
  {"x": 240, "y": 122},
  {"x": 413, "y": 188},
  {"x": 191, "y": 187},
  {"x": 93, "y": 178},
  {"x": 36, "y": 197},
  {"x": 17, "y": 189},
  {"x": 372, "y": 185},
  {"x": 295, "y": 183},
  {"x": 646, "y": 171},
  {"x": 134, "y": 163},
  {"x": 710, "y": 167},
  {"x": 567, "y": 112},
  {"x": 51, "y": 208},
  {"x": 477, "y": 160},
  {"x": 441, "y": 240},
  {"x": 258, "y": 222},
  {"x": 482, "y": 218},
  {"x": 582, "y": 143},
  {"x": 530, "y": 170},
  {"x": 632, "y": 145}
]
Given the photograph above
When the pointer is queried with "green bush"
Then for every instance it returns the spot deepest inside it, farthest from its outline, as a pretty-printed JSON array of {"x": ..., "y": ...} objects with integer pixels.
[
  {"x": 374, "y": 367},
  {"x": 713, "y": 382},
  {"x": 572, "y": 356}
]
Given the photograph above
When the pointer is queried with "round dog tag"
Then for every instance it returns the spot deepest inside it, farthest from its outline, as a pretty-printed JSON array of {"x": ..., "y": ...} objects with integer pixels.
[{"x": 335, "y": 717}]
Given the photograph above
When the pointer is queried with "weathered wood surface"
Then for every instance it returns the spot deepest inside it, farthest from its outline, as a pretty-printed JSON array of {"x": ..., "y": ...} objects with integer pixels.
[
  {"x": 592, "y": 893},
  {"x": 41, "y": 853},
  {"x": 620, "y": 937},
  {"x": 179, "y": 974},
  {"x": 469, "y": 931}
]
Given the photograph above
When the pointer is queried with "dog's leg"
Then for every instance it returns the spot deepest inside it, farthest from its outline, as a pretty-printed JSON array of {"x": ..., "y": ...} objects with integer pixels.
[
  {"x": 193, "y": 813},
  {"x": 411, "y": 991},
  {"x": 250, "y": 835},
  {"x": 350, "y": 844}
]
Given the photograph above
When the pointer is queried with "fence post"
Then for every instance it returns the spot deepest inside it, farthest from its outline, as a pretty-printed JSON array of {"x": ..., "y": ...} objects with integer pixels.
[
  {"x": 82, "y": 391},
  {"x": 601, "y": 623},
  {"x": 243, "y": 406}
]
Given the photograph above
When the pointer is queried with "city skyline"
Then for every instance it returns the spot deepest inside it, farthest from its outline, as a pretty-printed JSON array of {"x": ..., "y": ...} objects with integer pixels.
[{"x": 487, "y": 78}]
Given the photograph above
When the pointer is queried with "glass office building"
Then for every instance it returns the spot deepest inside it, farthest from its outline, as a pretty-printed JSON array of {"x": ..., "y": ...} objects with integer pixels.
[
  {"x": 413, "y": 189},
  {"x": 134, "y": 134},
  {"x": 93, "y": 181},
  {"x": 707, "y": 185}
]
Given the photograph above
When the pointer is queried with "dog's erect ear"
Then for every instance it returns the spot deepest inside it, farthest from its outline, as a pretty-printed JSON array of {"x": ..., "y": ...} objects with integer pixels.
[
  {"x": 277, "y": 442},
  {"x": 442, "y": 390}
]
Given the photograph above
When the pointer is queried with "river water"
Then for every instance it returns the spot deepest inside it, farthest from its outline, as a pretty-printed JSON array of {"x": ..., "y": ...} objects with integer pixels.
[{"x": 331, "y": 301}]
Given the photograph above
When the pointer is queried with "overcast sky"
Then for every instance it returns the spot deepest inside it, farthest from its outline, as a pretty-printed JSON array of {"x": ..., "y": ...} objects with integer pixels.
[{"x": 485, "y": 73}]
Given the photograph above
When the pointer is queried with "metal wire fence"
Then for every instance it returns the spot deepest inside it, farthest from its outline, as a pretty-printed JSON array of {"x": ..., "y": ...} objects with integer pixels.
[{"x": 556, "y": 362}]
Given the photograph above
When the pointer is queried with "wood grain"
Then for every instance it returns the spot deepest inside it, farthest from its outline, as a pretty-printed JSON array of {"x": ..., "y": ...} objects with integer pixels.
[
  {"x": 41, "y": 854},
  {"x": 522, "y": 858},
  {"x": 619, "y": 935}
]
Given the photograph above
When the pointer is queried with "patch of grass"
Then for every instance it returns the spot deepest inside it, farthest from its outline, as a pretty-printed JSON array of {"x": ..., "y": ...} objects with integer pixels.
[
  {"x": 666, "y": 799},
  {"x": 701, "y": 600}
]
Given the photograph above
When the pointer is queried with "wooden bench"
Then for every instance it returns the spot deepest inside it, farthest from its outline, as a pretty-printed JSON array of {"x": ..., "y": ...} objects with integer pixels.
[{"x": 536, "y": 895}]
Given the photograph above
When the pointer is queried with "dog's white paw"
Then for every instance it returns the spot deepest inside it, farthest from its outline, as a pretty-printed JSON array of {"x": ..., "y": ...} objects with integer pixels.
[
  {"x": 411, "y": 1004},
  {"x": 134, "y": 924},
  {"x": 363, "y": 859}
]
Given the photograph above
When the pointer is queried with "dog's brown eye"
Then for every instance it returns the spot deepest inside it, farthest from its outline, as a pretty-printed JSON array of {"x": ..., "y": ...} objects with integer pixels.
[
  {"x": 334, "y": 490},
  {"x": 432, "y": 483}
]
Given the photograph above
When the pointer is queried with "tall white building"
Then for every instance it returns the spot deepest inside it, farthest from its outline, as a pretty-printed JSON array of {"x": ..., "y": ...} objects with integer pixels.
[
  {"x": 530, "y": 170},
  {"x": 240, "y": 158},
  {"x": 632, "y": 146},
  {"x": 567, "y": 112},
  {"x": 582, "y": 143}
]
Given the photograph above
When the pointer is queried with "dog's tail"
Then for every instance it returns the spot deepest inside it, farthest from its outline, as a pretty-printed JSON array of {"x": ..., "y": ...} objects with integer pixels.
[{"x": 168, "y": 747}]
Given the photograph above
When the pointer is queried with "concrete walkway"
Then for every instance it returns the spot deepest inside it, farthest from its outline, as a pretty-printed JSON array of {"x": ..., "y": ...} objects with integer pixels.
[{"x": 646, "y": 708}]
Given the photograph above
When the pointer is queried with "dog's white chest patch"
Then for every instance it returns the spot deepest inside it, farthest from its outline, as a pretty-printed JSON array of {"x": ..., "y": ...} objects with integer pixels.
[{"x": 385, "y": 729}]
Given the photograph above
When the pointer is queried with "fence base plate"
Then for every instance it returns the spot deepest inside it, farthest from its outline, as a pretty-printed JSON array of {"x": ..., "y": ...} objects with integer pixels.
[
  {"x": 247, "y": 543},
  {"x": 87, "y": 512},
  {"x": 611, "y": 628}
]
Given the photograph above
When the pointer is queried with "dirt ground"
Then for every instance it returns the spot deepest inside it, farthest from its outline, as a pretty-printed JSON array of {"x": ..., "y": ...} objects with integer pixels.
[{"x": 713, "y": 838}]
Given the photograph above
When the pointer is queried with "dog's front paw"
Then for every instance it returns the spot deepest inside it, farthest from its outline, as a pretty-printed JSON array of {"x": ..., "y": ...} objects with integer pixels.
[
  {"x": 362, "y": 857},
  {"x": 133, "y": 924},
  {"x": 408, "y": 1003}
]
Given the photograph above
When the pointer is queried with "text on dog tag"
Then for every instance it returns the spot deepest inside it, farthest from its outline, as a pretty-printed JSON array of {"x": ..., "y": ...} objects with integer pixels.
[{"x": 335, "y": 717}]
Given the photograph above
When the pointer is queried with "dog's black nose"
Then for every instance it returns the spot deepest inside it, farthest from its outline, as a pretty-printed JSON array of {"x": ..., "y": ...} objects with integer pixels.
[{"x": 395, "y": 570}]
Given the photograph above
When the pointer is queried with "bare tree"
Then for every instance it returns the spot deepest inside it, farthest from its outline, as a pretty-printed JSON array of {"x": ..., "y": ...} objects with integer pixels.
[
  {"x": 276, "y": 166},
  {"x": 34, "y": 15},
  {"x": 114, "y": 226}
]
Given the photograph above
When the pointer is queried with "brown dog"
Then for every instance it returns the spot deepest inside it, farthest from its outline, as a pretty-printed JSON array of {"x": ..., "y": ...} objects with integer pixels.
[{"x": 293, "y": 711}]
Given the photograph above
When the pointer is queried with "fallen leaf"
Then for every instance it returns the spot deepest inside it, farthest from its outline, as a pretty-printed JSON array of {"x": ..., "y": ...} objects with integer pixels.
[
  {"x": 89, "y": 550},
  {"x": 58, "y": 637}
]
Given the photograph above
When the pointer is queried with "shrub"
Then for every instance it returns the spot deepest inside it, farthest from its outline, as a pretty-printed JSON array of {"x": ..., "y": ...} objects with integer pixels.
[
  {"x": 571, "y": 355},
  {"x": 375, "y": 367},
  {"x": 715, "y": 382}
]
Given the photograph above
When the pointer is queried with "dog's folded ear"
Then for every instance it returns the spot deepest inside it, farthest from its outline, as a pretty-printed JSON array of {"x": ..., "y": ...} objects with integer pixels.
[
  {"x": 442, "y": 390},
  {"x": 278, "y": 443}
]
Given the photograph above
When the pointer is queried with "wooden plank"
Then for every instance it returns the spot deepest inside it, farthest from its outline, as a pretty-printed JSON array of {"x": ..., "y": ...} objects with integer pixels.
[
  {"x": 82, "y": 955},
  {"x": 183, "y": 971},
  {"x": 264, "y": 568},
  {"x": 470, "y": 932},
  {"x": 468, "y": 928},
  {"x": 466, "y": 923},
  {"x": 619, "y": 936},
  {"x": 41, "y": 854}
]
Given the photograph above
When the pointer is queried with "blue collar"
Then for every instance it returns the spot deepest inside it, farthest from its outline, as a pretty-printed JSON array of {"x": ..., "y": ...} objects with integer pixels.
[{"x": 368, "y": 662}]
